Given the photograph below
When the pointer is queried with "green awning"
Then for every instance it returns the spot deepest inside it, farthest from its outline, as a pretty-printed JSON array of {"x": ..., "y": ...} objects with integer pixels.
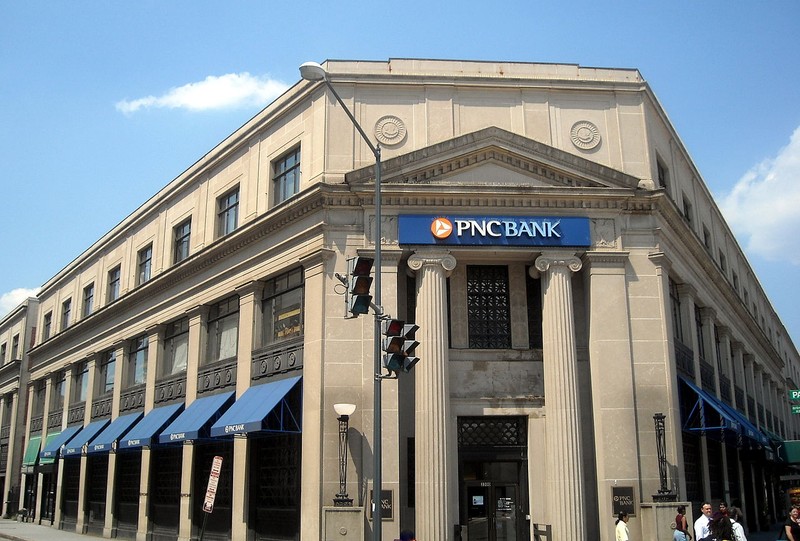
[
  {"x": 50, "y": 438},
  {"x": 790, "y": 451},
  {"x": 32, "y": 451}
]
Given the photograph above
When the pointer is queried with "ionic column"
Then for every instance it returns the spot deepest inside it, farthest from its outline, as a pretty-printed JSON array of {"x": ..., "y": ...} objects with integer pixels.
[
  {"x": 563, "y": 450},
  {"x": 435, "y": 476}
]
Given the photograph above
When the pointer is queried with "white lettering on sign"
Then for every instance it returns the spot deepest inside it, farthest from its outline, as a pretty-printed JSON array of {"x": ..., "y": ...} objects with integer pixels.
[
  {"x": 99, "y": 447},
  {"x": 233, "y": 428},
  {"x": 794, "y": 394},
  {"x": 180, "y": 436},
  {"x": 509, "y": 228},
  {"x": 134, "y": 442}
]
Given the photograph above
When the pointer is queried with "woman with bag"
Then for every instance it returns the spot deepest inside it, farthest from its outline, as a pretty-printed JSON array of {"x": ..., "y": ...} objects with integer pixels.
[
  {"x": 791, "y": 528},
  {"x": 680, "y": 522}
]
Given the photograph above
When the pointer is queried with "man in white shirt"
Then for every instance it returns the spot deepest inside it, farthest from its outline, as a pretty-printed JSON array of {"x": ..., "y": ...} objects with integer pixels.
[{"x": 701, "y": 524}]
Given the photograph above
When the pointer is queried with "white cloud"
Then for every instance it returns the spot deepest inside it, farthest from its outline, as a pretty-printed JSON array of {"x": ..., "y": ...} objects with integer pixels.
[
  {"x": 224, "y": 92},
  {"x": 12, "y": 299},
  {"x": 764, "y": 206}
]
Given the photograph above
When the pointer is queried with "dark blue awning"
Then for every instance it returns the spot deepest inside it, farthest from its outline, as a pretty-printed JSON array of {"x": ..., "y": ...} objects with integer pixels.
[
  {"x": 118, "y": 428},
  {"x": 51, "y": 449},
  {"x": 262, "y": 407},
  {"x": 193, "y": 423},
  {"x": 75, "y": 445},
  {"x": 698, "y": 416},
  {"x": 146, "y": 431}
]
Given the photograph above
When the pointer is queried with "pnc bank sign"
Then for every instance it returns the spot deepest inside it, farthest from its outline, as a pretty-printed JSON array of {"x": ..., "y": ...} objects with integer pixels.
[{"x": 494, "y": 230}]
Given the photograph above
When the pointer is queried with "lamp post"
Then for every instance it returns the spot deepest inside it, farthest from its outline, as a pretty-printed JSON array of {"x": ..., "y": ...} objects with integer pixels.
[
  {"x": 664, "y": 493},
  {"x": 344, "y": 411},
  {"x": 311, "y": 71}
]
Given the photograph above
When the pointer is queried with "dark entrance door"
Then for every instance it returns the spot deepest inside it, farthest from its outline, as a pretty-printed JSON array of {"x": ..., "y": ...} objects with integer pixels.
[{"x": 492, "y": 511}]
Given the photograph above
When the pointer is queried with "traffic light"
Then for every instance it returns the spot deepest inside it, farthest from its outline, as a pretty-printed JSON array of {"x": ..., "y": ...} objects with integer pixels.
[
  {"x": 358, "y": 283},
  {"x": 398, "y": 345}
]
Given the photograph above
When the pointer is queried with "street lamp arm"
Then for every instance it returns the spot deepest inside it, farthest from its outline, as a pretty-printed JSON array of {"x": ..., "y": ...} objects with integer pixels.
[{"x": 375, "y": 150}]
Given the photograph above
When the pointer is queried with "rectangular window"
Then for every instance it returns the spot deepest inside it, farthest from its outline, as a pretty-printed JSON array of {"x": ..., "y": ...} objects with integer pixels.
[
  {"x": 66, "y": 310},
  {"x": 182, "y": 234},
  {"x": 663, "y": 174},
  {"x": 488, "y": 307},
  {"x": 223, "y": 330},
  {"x": 677, "y": 318},
  {"x": 57, "y": 392},
  {"x": 2, "y": 353},
  {"x": 38, "y": 398},
  {"x": 701, "y": 343},
  {"x": 735, "y": 278},
  {"x": 107, "y": 369},
  {"x": 282, "y": 308},
  {"x": 114, "y": 276},
  {"x": 228, "y": 213},
  {"x": 176, "y": 348},
  {"x": 88, "y": 300},
  {"x": 286, "y": 176},
  {"x": 48, "y": 325},
  {"x": 80, "y": 383},
  {"x": 707, "y": 238},
  {"x": 687, "y": 210},
  {"x": 137, "y": 361},
  {"x": 15, "y": 347},
  {"x": 723, "y": 262},
  {"x": 145, "y": 265}
]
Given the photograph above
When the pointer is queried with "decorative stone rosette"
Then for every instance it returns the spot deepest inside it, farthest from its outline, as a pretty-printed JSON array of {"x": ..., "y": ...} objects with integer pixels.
[
  {"x": 585, "y": 135},
  {"x": 390, "y": 130}
]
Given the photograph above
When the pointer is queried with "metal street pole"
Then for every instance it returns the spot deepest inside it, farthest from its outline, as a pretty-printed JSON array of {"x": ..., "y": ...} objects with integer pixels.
[{"x": 315, "y": 72}]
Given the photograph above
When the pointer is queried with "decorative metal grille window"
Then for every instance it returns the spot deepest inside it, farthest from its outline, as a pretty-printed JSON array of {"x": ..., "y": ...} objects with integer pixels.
[
  {"x": 488, "y": 307},
  {"x": 487, "y": 431}
]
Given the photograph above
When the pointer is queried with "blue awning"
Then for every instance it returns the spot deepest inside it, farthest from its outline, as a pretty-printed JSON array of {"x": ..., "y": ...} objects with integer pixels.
[
  {"x": 726, "y": 420},
  {"x": 749, "y": 430},
  {"x": 118, "y": 428},
  {"x": 146, "y": 431},
  {"x": 260, "y": 408},
  {"x": 193, "y": 423},
  {"x": 51, "y": 448},
  {"x": 75, "y": 445}
]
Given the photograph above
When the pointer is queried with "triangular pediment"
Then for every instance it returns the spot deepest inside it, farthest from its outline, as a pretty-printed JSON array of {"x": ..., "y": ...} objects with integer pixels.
[{"x": 495, "y": 157}]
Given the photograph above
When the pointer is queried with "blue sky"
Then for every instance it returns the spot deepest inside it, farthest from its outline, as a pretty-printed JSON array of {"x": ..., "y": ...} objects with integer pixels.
[{"x": 103, "y": 103}]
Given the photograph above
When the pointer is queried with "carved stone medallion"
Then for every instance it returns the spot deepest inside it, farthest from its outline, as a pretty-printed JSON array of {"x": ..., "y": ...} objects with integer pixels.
[
  {"x": 585, "y": 135},
  {"x": 390, "y": 130}
]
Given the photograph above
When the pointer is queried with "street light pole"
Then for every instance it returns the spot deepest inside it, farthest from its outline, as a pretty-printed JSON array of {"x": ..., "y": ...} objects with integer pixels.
[{"x": 311, "y": 71}]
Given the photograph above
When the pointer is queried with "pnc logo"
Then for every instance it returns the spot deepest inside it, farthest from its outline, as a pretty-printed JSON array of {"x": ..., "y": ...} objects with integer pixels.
[{"x": 441, "y": 228}]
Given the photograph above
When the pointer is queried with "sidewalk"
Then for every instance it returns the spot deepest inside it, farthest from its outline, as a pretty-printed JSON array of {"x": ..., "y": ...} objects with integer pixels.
[{"x": 30, "y": 531}]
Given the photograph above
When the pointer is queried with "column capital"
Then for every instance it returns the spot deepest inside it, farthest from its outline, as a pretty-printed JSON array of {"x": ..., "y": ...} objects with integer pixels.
[
  {"x": 255, "y": 288},
  {"x": 709, "y": 313},
  {"x": 660, "y": 260},
  {"x": 420, "y": 258},
  {"x": 687, "y": 290},
  {"x": 558, "y": 259},
  {"x": 724, "y": 332},
  {"x": 316, "y": 259}
]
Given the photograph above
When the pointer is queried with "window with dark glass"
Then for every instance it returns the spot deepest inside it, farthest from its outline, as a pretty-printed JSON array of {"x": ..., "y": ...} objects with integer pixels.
[
  {"x": 15, "y": 347},
  {"x": 88, "y": 300},
  {"x": 48, "y": 325},
  {"x": 488, "y": 307},
  {"x": 286, "y": 176},
  {"x": 66, "y": 310},
  {"x": 675, "y": 305},
  {"x": 687, "y": 210},
  {"x": 534, "y": 297},
  {"x": 80, "y": 383},
  {"x": 223, "y": 330},
  {"x": 228, "y": 213},
  {"x": 114, "y": 276},
  {"x": 183, "y": 232},
  {"x": 2, "y": 353},
  {"x": 176, "y": 348},
  {"x": 107, "y": 369},
  {"x": 145, "y": 264},
  {"x": 137, "y": 361},
  {"x": 57, "y": 392},
  {"x": 282, "y": 308},
  {"x": 663, "y": 174},
  {"x": 698, "y": 324},
  {"x": 38, "y": 398}
]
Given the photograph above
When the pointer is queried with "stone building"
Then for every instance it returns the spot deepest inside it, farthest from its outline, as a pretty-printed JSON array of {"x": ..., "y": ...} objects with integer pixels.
[{"x": 572, "y": 278}]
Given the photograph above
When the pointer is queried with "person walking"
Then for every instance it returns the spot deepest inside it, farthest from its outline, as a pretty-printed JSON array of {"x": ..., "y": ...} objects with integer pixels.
[
  {"x": 720, "y": 527},
  {"x": 792, "y": 525},
  {"x": 681, "y": 524},
  {"x": 735, "y": 514},
  {"x": 622, "y": 527},
  {"x": 701, "y": 530}
]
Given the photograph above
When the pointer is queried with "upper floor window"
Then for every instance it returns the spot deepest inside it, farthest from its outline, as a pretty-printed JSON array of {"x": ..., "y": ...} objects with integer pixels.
[
  {"x": 176, "y": 348},
  {"x": 677, "y": 318},
  {"x": 282, "y": 308},
  {"x": 723, "y": 262},
  {"x": 57, "y": 393},
  {"x": 663, "y": 174},
  {"x": 66, "y": 311},
  {"x": 88, "y": 300},
  {"x": 182, "y": 234},
  {"x": 137, "y": 361},
  {"x": 707, "y": 238},
  {"x": 488, "y": 307},
  {"x": 48, "y": 326},
  {"x": 107, "y": 373},
  {"x": 38, "y": 398},
  {"x": 15, "y": 347},
  {"x": 735, "y": 278},
  {"x": 2, "y": 353},
  {"x": 223, "y": 330},
  {"x": 286, "y": 176},
  {"x": 687, "y": 210},
  {"x": 228, "y": 213},
  {"x": 114, "y": 277},
  {"x": 145, "y": 264},
  {"x": 80, "y": 382}
]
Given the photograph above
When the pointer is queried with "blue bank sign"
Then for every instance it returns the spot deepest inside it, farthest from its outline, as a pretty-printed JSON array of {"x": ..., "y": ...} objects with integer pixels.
[{"x": 494, "y": 230}]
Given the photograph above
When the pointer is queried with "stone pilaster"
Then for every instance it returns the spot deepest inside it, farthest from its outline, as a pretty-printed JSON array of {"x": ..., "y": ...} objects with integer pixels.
[
  {"x": 564, "y": 483},
  {"x": 435, "y": 478}
]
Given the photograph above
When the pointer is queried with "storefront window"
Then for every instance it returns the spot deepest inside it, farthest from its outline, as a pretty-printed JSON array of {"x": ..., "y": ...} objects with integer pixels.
[{"x": 282, "y": 307}]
